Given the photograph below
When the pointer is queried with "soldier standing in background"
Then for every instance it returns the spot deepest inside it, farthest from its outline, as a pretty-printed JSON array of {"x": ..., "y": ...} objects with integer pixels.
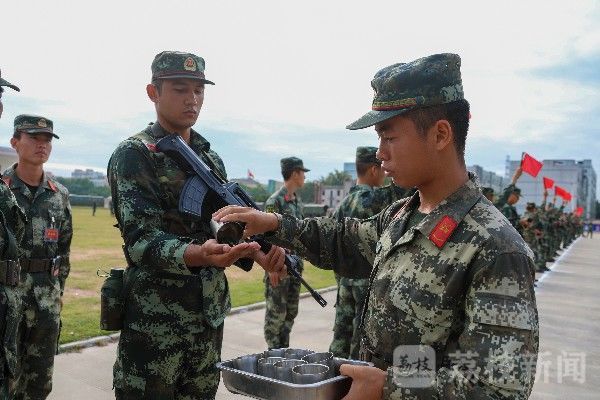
[
  {"x": 532, "y": 232},
  {"x": 488, "y": 192},
  {"x": 508, "y": 199},
  {"x": 45, "y": 262},
  {"x": 282, "y": 295},
  {"x": 365, "y": 199},
  {"x": 12, "y": 229}
]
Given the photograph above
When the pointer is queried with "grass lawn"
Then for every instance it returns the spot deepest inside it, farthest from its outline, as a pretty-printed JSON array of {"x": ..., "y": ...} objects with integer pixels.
[{"x": 97, "y": 245}]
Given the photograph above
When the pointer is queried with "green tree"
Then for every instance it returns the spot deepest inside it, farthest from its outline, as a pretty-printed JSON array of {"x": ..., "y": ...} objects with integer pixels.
[
  {"x": 83, "y": 187},
  {"x": 307, "y": 192},
  {"x": 336, "y": 178},
  {"x": 258, "y": 193}
]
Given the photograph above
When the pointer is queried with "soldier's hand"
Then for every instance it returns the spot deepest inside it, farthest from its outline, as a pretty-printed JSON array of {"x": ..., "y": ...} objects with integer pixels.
[
  {"x": 218, "y": 255},
  {"x": 517, "y": 175},
  {"x": 256, "y": 221},
  {"x": 367, "y": 382},
  {"x": 273, "y": 261}
]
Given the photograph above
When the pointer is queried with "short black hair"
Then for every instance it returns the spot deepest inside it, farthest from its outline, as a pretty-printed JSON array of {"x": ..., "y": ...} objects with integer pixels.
[
  {"x": 287, "y": 174},
  {"x": 363, "y": 167},
  {"x": 456, "y": 113},
  {"x": 158, "y": 84},
  {"x": 17, "y": 135}
]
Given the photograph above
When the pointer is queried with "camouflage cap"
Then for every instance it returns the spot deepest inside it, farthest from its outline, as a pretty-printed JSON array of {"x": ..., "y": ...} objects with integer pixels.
[
  {"x": 530, "y": 204},
  {"x": 292, "y": 164},
  {"x": 4, "y": 82},
  {"x": 402, "y": 87},
  {"x": 516, "y": 191},
  {"x": 487, "y": 191},
  {"x": 176, "y": 64},
  {"x": 34, "y": 124},
  {"x": 366, "y": 154}
]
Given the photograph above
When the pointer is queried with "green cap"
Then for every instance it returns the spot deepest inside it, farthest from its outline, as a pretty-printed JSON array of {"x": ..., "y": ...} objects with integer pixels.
[
  {"x": 292, "y": 164},
  {"x": 530, "y": 204},
  {"x": 366, "y": 154},
  {"x": 4, "y": 82},
  {"x": 176, "y": 64},
  {"x": 34, "y": 124},
  {"x": 402, "y": 87},
  {"x": 516, "y": 191},
  {"x": 487, "y": 191}
]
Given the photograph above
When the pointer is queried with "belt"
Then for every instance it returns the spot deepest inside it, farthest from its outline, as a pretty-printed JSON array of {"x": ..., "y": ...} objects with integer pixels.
[
  {"x": 33, "y": 265},
  {"x": 366, "y": 354},
  {"x": 10, "y": 272}
]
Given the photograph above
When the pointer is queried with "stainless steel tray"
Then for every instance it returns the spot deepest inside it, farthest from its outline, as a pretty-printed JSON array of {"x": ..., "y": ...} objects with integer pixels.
[{"x": 262, "y": 387}]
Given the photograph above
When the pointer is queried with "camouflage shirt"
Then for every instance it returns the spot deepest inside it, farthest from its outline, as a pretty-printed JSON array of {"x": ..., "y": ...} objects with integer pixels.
[
  {"x": 460, "y": 281},
  {"x": 13, "y": 220},
  {"x": 363, "y": 202},
  {"x": 146, "y": 186},
  {"x": 284, "y": 203},
  {"x": 47, "y": 210},
  {"x": 12, "y": 229}
]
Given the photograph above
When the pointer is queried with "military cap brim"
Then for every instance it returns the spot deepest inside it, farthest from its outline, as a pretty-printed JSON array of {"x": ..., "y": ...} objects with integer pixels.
[
  {"x": 37, "y": 131},
  {"x": 186, "y": 76},
  {"x": 4, "y": 82},
  {"x": 374, "y": 117}
]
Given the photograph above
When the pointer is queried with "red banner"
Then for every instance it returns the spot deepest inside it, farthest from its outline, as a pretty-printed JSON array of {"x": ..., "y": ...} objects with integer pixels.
[
  {"x": 560, "y": 191},
  {"x": 548, "y": 183},
  {"x": 579, "y": 211},
  {"x": 531, "y": 165}
]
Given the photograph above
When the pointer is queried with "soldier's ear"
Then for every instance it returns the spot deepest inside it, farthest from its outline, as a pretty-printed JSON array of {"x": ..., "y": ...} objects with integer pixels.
[{"x": 152, "y": 92}]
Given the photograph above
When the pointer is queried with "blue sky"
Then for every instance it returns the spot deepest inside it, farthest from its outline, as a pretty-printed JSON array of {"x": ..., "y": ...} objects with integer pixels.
[{"x": 291, "y": 76}]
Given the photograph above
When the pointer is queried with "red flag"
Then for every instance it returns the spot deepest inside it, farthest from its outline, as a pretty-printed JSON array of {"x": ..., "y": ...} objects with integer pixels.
[
  {"x": 558, "y": 191},
  {"x": 250, "y": 175},
  {"x": 548, "y": 183},
  {"x": 579, "y": 211},
  {"x": 567, "y": 196},
  {"x": 531, "y": 165}
]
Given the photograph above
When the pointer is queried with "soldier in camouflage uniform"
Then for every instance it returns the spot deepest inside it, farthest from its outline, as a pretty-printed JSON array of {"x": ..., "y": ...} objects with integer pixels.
[
  {"x": 488, "y": 192},
  {"x": 365, "y": 199},
  {"x": 449, "y": 271},
  {"x": 176, "y": 291},
  {"x": 282, "y": 296},
  {"x": 508, "y": 199},
  {"x": 532, "y": 232},
  {"x": 45, "y": 260},
  {"x": 12, "y": 228}
]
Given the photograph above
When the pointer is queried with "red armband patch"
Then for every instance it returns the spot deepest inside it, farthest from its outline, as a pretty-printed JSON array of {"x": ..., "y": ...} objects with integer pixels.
[{"x": 442, "y": 231}]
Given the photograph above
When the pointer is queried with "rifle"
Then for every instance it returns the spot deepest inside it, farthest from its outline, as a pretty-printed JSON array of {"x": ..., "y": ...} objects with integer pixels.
[{"x": 204, "y": 182}]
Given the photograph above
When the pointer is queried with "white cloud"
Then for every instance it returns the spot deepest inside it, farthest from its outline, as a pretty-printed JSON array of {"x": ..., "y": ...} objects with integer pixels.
[{"x": 301, "y": 65}]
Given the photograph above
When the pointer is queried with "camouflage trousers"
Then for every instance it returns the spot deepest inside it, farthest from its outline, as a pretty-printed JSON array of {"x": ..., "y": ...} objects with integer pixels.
[
  {"x": 168, "y": 367},
  {"x": 37, "y": 337},
  {"x": 10, "y": 316},
  {"x": 281, "y": 309},
  {"x": 351, "y": 297}
]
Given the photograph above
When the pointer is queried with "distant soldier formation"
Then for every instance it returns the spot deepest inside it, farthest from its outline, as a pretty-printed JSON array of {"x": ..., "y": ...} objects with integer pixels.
[{"x": 546, "y": 228}]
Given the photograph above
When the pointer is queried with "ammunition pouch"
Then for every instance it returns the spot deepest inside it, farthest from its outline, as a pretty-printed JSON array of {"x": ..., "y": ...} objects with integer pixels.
[
  {"x": 35, "y": 265},
  {"x": 112, "y": 301},
  {"x": 10, "y": 272}
]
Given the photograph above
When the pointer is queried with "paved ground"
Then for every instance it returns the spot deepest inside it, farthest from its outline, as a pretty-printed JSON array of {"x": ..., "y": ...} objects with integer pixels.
[{"x": 568, "y": 303}]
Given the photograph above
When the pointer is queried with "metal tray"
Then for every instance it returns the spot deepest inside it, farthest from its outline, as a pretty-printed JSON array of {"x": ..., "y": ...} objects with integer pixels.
[{"x": 262, "y": 387}]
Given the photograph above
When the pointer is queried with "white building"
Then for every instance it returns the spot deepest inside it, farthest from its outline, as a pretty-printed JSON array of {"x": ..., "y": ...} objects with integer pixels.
[
  {"x": 332, "y": 196},
  {"x": 577, "y": 177},
  {"x": 97, "y": 178},
  {"x": 8, "y": 156},
  {"x": 488, "y": 178}
]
